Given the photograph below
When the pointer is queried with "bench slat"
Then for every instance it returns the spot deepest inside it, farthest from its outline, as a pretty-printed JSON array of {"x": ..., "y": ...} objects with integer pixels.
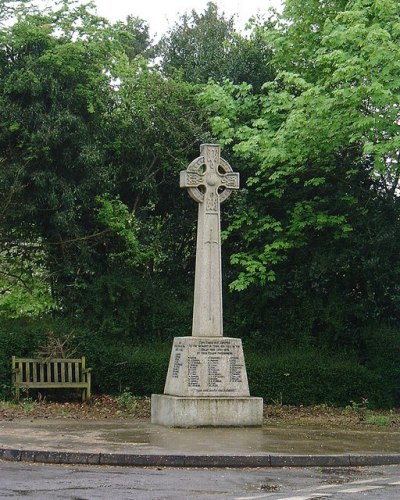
[
  {"x": 56, "y": 385},
  {"x": 45, "y": 360}
]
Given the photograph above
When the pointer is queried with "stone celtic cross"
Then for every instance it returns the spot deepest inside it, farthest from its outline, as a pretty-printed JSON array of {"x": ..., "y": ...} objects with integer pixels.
[{"x": 209, "y": 180}]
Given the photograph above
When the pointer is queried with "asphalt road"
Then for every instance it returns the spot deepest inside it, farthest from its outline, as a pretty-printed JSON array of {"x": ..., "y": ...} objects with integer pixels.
[{"x": 26, "y": 480}]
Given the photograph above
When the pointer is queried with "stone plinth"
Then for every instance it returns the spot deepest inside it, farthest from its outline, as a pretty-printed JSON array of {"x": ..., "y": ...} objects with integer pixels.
[
  {"x": 206, "y": 386},
  {"x": 176, "y": 411}
]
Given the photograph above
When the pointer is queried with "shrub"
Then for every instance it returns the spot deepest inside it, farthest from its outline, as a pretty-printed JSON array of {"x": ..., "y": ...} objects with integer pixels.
[
  {"x": 312, "y": 377},
  {"x": 382, "y": 355}
]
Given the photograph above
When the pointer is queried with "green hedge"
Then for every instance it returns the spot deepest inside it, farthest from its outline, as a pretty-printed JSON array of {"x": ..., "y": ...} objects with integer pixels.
[
  {"x": 382, "y": 356},
  {"x": 311, "y": 377},
  {"x": 296, "y": 376},
  {"x": 139, "y": 370}
]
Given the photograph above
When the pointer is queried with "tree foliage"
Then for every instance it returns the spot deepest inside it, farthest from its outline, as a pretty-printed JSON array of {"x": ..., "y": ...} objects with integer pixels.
[
  {"x": 90, "y": 137},
  {"x": 207, "y": 46},
  {"x": 320, "y": 147}
]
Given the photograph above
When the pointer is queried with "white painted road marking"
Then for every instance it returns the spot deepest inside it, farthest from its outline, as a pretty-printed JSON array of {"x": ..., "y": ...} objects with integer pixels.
[
  {"x": 327, "y": 486},
  {"x": 361, "y": 489},
  {"x": 252, "y": 498},
  {"x": 313, "y": 496},
  {"x": 365, "y": 481}
]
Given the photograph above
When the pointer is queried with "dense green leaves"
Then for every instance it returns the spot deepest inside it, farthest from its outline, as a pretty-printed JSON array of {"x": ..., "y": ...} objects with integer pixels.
[
  {"x": 319, "y": 147},
  {"x": 206, "y": 46},
  {"x": 91, "y": 140},
  {"x": 24, "y": 282}
]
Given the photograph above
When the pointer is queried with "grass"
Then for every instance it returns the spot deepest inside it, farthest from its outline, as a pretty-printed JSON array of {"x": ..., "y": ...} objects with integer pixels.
[
  {"x": 26, "y": 405},
  {"x": 379, "y": 420}
]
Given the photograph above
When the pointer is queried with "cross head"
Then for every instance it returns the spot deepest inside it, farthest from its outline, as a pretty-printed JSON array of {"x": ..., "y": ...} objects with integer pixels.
[{"x": 209, "y": 178}]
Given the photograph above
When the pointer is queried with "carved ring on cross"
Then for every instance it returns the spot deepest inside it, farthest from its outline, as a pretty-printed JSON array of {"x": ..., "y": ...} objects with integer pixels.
[{"x": 209, "y": 172}]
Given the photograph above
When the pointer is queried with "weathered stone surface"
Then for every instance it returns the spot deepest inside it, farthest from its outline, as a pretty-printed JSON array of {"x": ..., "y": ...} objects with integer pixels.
[
  {"x": 209, "y": 180},
  {"x": 177, "y": 411},
  {"x": 310, "y": 460},
  {"x": 28, "y": 455},
  {"x": 10, "y": 454},
  {"x": 122, "y": 459},
  {"x": 207, "y": 367},
  {"x": 71, "y": 457},
  {"x": 227, "y": 461},
  {"x": 136, "y": 460},
  {"x": 374, "y": 459},
  {"x": 47, "y": 457}
]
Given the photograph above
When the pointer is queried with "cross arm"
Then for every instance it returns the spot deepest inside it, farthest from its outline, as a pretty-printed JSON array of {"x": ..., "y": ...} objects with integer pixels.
[
  {"x": 230, "y": 180},
  {"x": 190, "y": 179}
]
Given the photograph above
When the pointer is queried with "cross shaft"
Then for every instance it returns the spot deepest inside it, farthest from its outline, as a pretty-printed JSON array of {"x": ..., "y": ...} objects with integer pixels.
[{"x": 209, "y": 180}]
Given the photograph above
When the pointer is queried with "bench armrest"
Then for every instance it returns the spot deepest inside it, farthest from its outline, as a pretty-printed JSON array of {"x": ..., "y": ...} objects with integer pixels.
[
  {"x": 16, "y": 376},
  {"x": 87, "y": 374}
]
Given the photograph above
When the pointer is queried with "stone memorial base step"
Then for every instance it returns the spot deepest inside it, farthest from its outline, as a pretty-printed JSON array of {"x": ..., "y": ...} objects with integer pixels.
[{"x": 178, "y": 411}]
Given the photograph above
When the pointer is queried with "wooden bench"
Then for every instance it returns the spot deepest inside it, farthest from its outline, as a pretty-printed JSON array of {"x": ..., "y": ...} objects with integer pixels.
[{"x": 52, "y": 373}]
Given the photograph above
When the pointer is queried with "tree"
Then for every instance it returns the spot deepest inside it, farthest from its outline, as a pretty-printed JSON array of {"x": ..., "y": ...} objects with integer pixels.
[
  {"x": 134, "y": 36},
  {"x": 320, "y": 145},
  {"x": 90, "y": 136},
  {"x": 207, "y": 45}
]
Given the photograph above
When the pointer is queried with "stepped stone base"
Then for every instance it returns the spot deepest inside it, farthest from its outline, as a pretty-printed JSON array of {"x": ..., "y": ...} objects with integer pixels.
[{"x": 178, "y": 411}]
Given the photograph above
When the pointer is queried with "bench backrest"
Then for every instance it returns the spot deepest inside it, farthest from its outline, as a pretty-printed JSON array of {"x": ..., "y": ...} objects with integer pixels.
[{"x": 49, "y": 370}]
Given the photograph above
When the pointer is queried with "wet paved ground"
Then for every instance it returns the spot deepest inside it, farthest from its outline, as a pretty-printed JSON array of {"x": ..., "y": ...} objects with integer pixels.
[{"x": 130, "y": 436}]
